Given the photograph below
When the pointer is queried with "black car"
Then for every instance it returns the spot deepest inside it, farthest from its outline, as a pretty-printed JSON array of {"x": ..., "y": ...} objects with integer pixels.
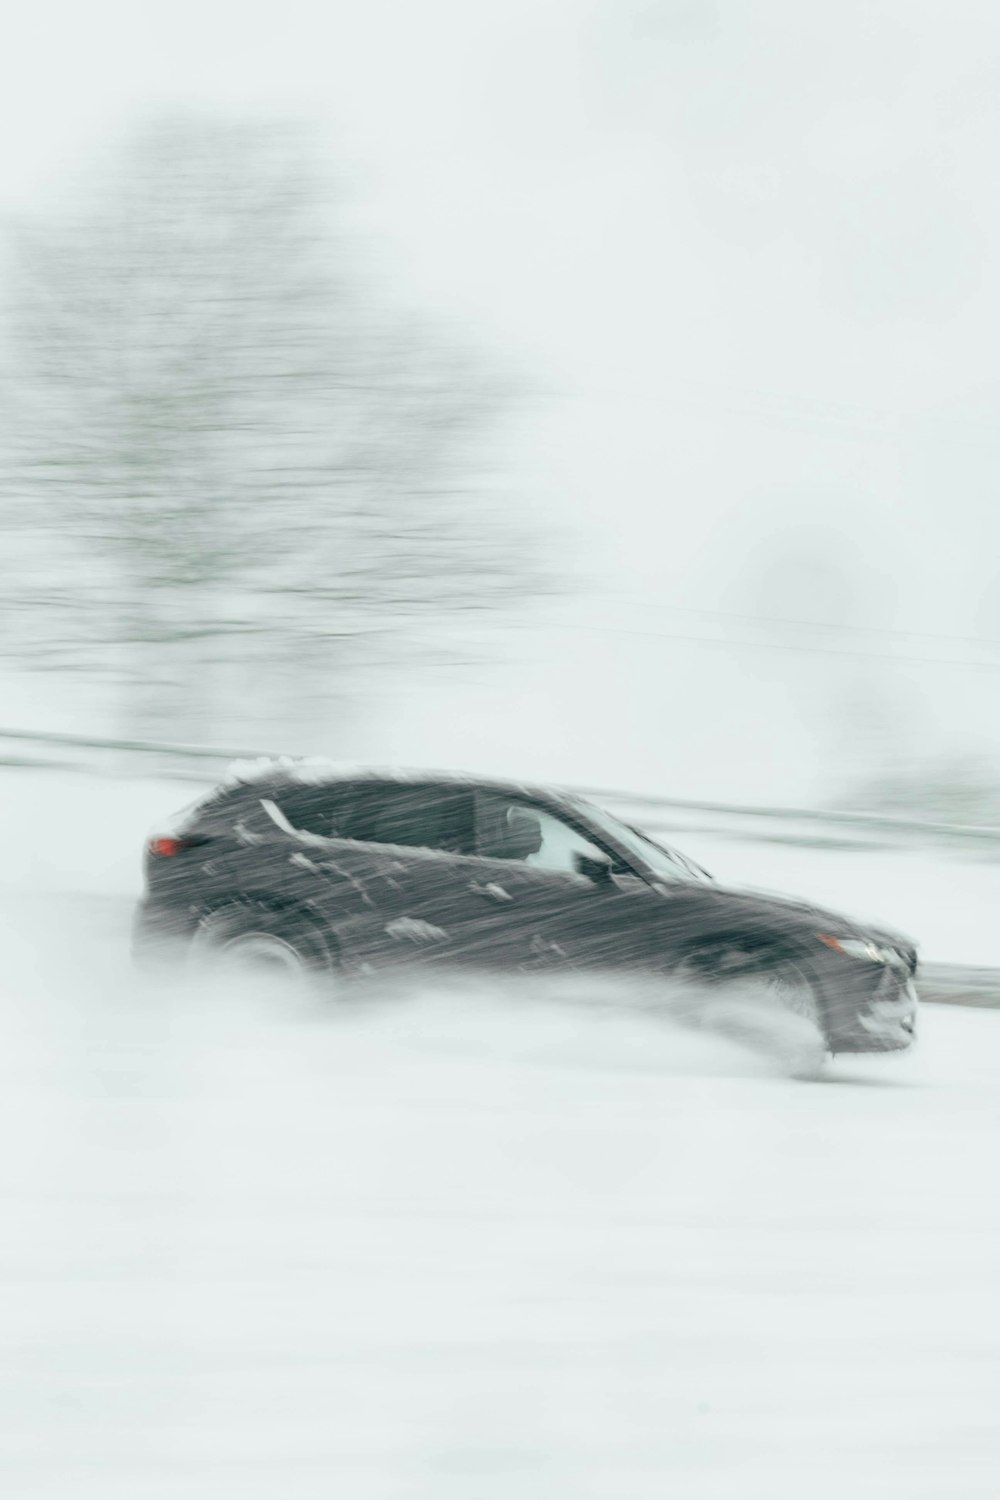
[{"x": 305, "y": 865}]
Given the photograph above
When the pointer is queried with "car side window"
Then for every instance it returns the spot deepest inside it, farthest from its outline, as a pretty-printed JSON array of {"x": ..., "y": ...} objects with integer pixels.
[
  {"x": 329, "y": 811},
  {"x": 415, "y": 816},
  {"x": 509, "y": 828}
]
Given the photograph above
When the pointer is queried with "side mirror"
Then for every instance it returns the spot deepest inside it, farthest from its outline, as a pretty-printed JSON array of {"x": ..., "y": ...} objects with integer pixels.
[{"x": 597, "y": 868}]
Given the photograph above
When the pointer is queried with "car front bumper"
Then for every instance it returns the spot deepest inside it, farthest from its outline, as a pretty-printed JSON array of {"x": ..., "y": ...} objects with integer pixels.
[{"x": 882, "y": 1020}]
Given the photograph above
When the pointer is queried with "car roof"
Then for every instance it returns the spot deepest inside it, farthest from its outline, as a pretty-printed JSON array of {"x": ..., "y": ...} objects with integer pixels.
[{"x": 314, "y": 771}]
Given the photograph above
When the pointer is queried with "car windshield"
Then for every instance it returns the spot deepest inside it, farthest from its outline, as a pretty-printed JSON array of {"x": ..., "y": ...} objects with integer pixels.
[{"x": 668, "y": 864}]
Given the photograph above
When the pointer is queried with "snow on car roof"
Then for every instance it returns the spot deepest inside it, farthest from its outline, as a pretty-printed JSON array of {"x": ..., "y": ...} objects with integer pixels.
[{"x": 319, "y": 771}]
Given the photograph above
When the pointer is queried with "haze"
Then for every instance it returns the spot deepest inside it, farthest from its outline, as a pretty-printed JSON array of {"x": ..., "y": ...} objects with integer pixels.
[{"x": 742, "y": 253}]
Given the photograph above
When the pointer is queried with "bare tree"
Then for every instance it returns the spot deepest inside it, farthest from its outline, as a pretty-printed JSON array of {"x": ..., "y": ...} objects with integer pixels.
[{"x": 232, "y": 443}]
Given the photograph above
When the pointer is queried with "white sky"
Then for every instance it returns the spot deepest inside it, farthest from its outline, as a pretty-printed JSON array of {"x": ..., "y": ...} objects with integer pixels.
[{"x": 749, "y": 245}]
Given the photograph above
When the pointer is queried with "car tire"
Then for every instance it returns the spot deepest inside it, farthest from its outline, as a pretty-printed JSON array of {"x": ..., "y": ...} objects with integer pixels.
[
  {"x": 773, "y": 1008},
  {"x": 248, "y": 939}
]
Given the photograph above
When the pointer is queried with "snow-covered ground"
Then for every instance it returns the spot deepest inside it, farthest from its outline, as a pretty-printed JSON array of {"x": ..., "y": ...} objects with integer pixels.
[{"x": 463, "y": 1250}]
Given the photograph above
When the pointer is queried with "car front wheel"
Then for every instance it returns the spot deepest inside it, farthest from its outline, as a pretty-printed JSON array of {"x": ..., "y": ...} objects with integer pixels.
[{"x": 773, "y": 1009}]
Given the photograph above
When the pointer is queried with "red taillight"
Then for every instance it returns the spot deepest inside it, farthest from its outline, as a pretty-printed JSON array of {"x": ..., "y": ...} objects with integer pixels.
[{"x": 166, "y": 848}]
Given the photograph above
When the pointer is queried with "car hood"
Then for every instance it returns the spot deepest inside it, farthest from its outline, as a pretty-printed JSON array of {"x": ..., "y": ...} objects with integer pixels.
[{"x": 789, "y": 914}]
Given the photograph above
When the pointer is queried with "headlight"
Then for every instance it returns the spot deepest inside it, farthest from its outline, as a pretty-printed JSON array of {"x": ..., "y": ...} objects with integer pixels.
[{"x": 864, "y": 949}]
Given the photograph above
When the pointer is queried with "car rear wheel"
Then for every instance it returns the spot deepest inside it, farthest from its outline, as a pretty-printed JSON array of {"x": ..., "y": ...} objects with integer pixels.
[{"x": 252, "y": 942}]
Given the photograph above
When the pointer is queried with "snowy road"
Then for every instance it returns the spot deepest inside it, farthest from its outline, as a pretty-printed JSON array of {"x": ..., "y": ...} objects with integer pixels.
[{"x": 466, "y": 1251}]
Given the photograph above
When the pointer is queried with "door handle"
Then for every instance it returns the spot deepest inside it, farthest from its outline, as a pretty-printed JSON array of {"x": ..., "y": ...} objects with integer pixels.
[{"x": 491, "y": 891}]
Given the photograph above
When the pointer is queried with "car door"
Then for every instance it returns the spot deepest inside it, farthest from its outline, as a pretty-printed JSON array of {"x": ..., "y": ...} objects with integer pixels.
[
  {"x": 463, "y": 894},
  {"x": 559, "y": 917},
  {"x": 436, "y": 910},
  {"x": 384, "y": 863}
]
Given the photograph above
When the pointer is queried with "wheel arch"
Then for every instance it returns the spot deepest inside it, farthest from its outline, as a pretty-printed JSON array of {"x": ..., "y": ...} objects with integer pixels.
[
  {"x": 288, "y": 916},
  {"x": 720, "y": 959}
]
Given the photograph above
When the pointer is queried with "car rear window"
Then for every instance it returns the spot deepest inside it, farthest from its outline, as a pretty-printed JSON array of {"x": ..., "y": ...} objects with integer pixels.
[{"x": 217, "y": 810}]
